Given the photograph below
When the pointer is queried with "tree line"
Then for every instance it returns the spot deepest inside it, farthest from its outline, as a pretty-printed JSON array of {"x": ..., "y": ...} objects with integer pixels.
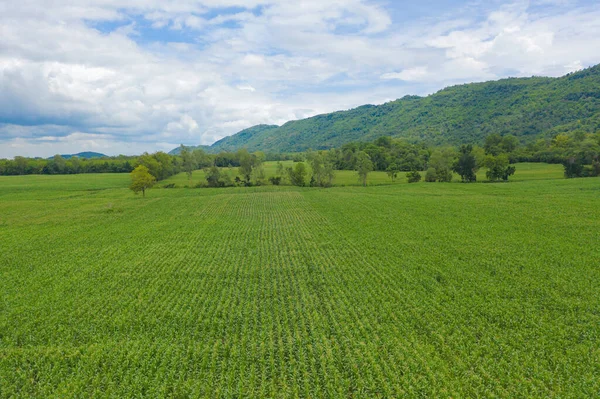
[
  {"x": 578, "y": 152},
  {"x": 57, "y": 165}
]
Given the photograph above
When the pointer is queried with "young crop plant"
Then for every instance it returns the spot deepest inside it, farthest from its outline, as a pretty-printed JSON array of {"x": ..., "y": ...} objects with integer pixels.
[{"x": 285, "y": 292}]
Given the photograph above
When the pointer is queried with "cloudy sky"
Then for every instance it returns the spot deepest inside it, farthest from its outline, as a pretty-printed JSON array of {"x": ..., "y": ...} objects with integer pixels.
[{"x": 118, "y": 76}]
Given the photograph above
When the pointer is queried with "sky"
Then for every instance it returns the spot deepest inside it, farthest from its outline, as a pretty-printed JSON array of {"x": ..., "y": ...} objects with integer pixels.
[{"x": 124, "y": 77}]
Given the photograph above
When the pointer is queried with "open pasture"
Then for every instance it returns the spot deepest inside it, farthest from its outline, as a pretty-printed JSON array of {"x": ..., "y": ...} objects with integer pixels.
[{"x": 422, "y": 290}]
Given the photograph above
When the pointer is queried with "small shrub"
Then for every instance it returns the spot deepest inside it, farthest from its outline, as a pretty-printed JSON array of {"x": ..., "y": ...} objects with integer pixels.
[
  {"x": 444, "y": 175},
  {"x": 431, "y": 176},
  {"x": 413, "y": 177},
  {"x": 596, "y": 169},
  {"x": 573, "y": 168},
  {"x": 275, "y": 180}
]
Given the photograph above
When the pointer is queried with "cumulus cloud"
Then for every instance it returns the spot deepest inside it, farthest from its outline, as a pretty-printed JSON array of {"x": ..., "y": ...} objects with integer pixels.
[
  {"x": 142, "y": 75},
  {"x": 411, "y": 74}
]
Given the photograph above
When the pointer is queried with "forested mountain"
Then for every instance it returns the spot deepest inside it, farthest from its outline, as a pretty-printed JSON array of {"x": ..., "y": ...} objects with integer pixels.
[
  {"x": 528, "y": 108},
  {"x": 177, "y": 151},
  {"x": 84, "y": 155},
  {"x": 260, "y": 135}
]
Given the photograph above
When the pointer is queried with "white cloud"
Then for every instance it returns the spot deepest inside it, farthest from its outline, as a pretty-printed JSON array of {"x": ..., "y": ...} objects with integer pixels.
[
  {"x": 196, "y": 77},
  {"x": 247, "y": 88},
  {"x": 411, "y": 74}
]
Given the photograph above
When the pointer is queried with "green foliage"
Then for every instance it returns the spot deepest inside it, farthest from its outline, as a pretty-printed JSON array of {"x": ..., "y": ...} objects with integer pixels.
[
  {"x": 247, "y": 162},
  {"x": 417, "y": 291},
  {"x": 250, "y": 166},
  {"x": 189, "y": 161},
  {"x": 392, "y": 171},
  {"x": 60, "y": 165},
  {"x": 573, "y": 167},
  {"x": 217, "y": 178},
  {"x": 364, "y": 166},
  {"x": 441, "y": 164},
  {"x": 595, "y": 169},
  {"x": 160, "y": 164},
  {"x": 258, "y": 174},
  {"x": 297, "y": 174},
  {"x": 498, "y": 167},
  {"x": 322, "y": 170},
  {"x": 413, "y": 177},
  {"x": 275, "y": 180},
  {"x": 232, "y": 143},
  {"x": 202, "y": 159},
  {"x": 431, "y": 175},
  {"x": 141, "y": 180},
  {"x": 466, "y": 164}
]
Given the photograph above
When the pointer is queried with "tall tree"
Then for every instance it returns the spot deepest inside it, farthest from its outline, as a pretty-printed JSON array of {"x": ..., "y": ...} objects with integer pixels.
[
  {"x": 247, "y": 163},
  {"x": 202, "y": 159},
  {"x": 492, "y": 144},
  {"x": 363, "y": 166},
  {"x": 213, "y": 176},
  {"x": 189, "y": 161},
  {"x": 280, "y": 169},
  {"x": 322, "y": 169},
  {"x": 499, "y": 167},
  {"x": 141, "y": 180},
  {"x": 297, "y": 174},
  {"x": 59, "y": 164},
  {"x": 21, "y": 165},
  {"x": 441, "y": 162},
  {"x": 392, "y": 171},
  {"x": 259, "y": 176},
  {"x": 466, "y": 164},
  {"x": 153, "y": 166}
]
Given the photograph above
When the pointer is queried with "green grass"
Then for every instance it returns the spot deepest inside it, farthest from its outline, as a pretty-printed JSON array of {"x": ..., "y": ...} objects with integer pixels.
[{"x": 421, "y": 290}]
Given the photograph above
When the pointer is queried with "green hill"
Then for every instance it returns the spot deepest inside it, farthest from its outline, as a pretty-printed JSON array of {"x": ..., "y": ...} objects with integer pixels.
[
  {"x": 86, "y": 155},
  {"x": 177, "y": 151},
  {"x": 528, "y": 108},
  {"x": 244, "y": 137}
]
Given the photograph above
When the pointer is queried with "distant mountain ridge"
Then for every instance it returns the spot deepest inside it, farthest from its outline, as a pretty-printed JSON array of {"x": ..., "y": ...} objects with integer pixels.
[
  {"x": 85, "y": 154},
  {"x": 528, "y": 108},
  {"x": 177, "y": 151}
]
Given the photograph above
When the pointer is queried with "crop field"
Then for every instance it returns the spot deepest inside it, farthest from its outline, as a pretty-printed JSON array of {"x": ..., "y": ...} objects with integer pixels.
[{"x": 405, "y": 290}]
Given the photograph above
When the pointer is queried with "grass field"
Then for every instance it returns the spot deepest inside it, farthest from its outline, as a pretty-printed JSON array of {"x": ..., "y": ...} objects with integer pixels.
[{"x": 421, "y": 290}]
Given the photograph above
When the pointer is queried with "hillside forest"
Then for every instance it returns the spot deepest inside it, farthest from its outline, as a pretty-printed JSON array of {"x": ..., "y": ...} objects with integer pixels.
[{"x": 579, "y": 153}]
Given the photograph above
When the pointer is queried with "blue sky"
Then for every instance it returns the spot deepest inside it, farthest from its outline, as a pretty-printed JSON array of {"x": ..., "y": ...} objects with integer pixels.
[{"x": 145, "y": 75}]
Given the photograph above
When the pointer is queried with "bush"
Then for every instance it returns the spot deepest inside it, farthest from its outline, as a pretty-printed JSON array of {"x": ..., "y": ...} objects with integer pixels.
[
  {"x": 413, "y": 177},
  {"x": 466, "y": 165},
  {"x": 444, "y": 175},
  {"x": 499, "y": 167},
  {"x": 595, "y": 169},
  {"x": 297, "y": 174},
  {"x": 275, "y": 180},
  {"x": 431, "y": 175},
  {"x": 573, "y": 168}
]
